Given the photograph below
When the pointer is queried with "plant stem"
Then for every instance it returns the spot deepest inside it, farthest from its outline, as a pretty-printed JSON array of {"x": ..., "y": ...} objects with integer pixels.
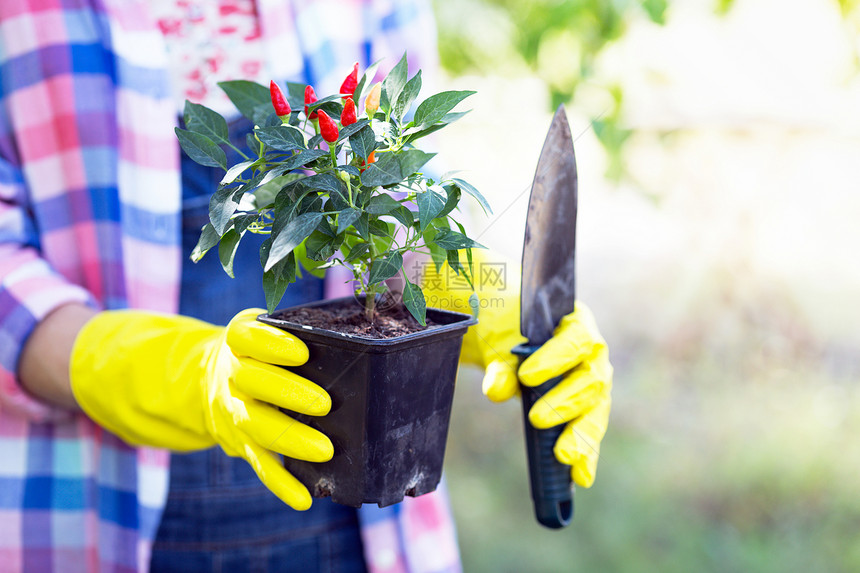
[
  {"x": 349, "y": 191},
  {"x": 370, "y": 303},
  {"x": 237, "y": 150},
  {"x": 332, "y": 150}
]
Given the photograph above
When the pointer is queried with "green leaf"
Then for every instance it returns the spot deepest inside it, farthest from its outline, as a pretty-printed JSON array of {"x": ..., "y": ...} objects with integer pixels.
[
  {"x": 418, "y": 132},
  {"x": 346, "y": 218},
  {"x": 282, "y": 137},
  {"x": 351, "y": 169},
  {"x": 453, "y": 256},
  {"x": 296, "y": 95},
  {"x": 386, "y": 171},
  {"x": 357, "y": 251},
  {"x": 227, "y": 250},
  {"x": 350, "y": 129},
  {"x": 453, "y": 193},
  {"x": 208, "y": 239},
  {"x": 381, "y": 235},
  {"x": 430, "y": 204},
  {"x": 403, "y": 215},
  {"x": 326, "y": 182},
  {"x": 393, "y": 84},
  {"x": 201, "y": 149},
  {"x": 363, "y": 142},
  {"x": 309, "y": 203},
  {"x": 327, "y": 226},
  {"x": 414, "y": 133},
  {"x": 242, "y": 222},
  {"x": 366, "y": 81},
  {"x": 246, "y": 96},
  {"x": 468, "y": 251},
  {"x": 221, "y": 208},
  {"x": 298, "y": 159},
  {"x": 407, "y": 97},
  {"x": 381, "y": 229},
  {"x": 413, "y": 299},
  {"x": 454, "y": 262},
  {"x": 470, "y": 189},
  {"x": 381, "y": 204},
  {"x": 200, "y": 119},
  {"x": 438, "y": 254},
  {"x": 334, "y": 186},
  {"x": 278, "y": 278},
  {"x": 311, "y": 266},
  {"x": 224, "y": 202},
  {"x": 412, "y": 160},
  {"x": 265, "y": 117},
  {"x": 474, "y": 304},
  {"x": 330, "y": 104},
  {"x": 235, "y": 171},
  {"x": 253, "y": 144},
  {"x": 656, "y": 10},
  {"x": 296, "y": 231},
  {"x": 320, "y": 247},
  {"x": 323, "y": 100},
  {"x": 265, "y": 195},
  {"x": 452, "y": 240},
  {"x": 436, "y": 106},
  {"x": 362, "y": 225},
  {"x": 385, "y": 268}
]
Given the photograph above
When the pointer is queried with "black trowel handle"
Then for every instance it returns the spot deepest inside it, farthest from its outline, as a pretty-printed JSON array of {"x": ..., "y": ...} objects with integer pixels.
[{"x": 552, "y": 490}]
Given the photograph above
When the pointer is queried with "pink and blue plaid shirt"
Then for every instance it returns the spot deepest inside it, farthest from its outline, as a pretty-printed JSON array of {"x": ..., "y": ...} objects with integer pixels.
[{"x": 89, "y": 212}]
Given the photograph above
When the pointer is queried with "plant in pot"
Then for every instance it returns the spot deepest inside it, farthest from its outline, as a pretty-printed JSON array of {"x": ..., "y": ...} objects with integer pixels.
[{"x": 334, "y": 187}]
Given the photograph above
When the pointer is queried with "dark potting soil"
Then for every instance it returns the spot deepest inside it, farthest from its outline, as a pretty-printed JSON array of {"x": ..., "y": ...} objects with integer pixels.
[{"x": 349, "y": 318}]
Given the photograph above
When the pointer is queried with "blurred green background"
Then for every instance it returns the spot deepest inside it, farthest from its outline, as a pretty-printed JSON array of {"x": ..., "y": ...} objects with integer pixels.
[{"x": 718, "y": 146}]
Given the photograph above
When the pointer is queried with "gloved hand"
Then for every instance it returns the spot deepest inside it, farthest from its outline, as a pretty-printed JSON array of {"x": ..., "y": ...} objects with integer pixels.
[
  {"x": 581, "y": 400},
  {"x": 179, "y": 383}
]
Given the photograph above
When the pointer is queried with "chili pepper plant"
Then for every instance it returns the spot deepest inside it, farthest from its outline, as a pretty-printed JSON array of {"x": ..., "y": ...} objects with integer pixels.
[{"x": 333, "y": 182}]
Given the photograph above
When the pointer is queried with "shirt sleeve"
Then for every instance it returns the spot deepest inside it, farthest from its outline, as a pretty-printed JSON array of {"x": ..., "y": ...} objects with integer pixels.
[{"x": 30, "y": 289}]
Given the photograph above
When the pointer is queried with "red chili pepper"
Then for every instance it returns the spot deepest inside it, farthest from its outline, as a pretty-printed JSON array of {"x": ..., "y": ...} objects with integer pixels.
[
  {"x": 328, "y": 129},
  {"x": 347, "y": 88},
  {"x": 310, "y": 97},
  {"x": 370, "y": 159},
  {"x": 280, "y": 103},
  {"x": 348, "y": 116}
]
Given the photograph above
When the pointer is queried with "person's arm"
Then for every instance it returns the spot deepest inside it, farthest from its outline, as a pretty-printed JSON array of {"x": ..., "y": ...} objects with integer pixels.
[
  {"x": 44, "y": 366},
  {"x": 31, "y": 291}
]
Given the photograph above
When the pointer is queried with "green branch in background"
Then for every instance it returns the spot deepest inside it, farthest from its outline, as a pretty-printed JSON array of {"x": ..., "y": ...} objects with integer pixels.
[{"x": 558, "y": 41}]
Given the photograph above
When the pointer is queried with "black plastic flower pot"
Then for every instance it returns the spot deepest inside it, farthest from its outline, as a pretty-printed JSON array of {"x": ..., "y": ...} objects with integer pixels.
[{"x": 391, "y": 404}]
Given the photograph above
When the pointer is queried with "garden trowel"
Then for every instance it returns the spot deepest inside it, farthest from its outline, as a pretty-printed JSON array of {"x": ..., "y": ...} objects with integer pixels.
[{"x": 547, "y": 295}]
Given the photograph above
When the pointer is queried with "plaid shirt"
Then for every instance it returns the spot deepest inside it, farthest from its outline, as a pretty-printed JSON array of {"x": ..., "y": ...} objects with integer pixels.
[{"x": 89, "y": 212}]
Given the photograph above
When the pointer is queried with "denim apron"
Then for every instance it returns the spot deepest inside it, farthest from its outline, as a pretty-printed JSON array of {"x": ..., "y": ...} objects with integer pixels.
[{"x": 219, "y": 516}]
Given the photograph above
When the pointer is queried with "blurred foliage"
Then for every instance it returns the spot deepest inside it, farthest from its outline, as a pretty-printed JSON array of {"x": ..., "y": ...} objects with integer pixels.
[
  {"x": 723, "y": 6},
  {"x": 558, "y": 41},
  {"x": 704, "y": 468},
  {"x": 850, "y": 10}
]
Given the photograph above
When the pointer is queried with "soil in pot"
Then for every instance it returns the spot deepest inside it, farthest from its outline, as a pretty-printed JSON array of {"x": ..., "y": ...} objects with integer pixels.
[
  {"x": 391, "y": 403},
  {"x": 351, "y": 319}
]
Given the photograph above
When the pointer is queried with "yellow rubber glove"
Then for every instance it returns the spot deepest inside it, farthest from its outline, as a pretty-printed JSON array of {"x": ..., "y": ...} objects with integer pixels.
[
  {"x": 179, "y": 383},
  {"x": 581, "y": 400}
]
